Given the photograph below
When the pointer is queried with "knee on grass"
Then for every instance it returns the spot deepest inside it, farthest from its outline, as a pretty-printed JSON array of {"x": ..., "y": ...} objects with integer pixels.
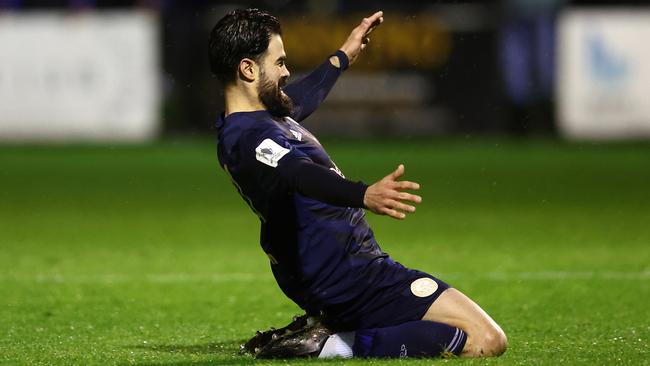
[{"x": 491, "y": 342}]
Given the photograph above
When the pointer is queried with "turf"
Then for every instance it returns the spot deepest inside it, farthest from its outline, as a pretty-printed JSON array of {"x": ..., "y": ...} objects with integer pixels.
[{"x": 145, "y": 255}]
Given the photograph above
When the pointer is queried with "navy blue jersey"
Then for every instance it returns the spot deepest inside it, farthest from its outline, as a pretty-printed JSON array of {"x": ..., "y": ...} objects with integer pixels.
[
  {"x": 323, "y": 256},
  {"x": 318, "y": 251}
]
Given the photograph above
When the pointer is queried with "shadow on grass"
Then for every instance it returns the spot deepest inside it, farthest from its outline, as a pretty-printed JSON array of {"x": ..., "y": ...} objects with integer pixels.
[
  {"x": 213, "y": 348},
  {"x": 224, "y": 353},
  {"x": 251, "y": 361}
]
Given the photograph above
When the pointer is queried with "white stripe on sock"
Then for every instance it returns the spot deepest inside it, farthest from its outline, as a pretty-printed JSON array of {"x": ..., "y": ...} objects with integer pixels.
[
  {"x": 453, "y": 342},
  {"x": 455, "y": 349}
]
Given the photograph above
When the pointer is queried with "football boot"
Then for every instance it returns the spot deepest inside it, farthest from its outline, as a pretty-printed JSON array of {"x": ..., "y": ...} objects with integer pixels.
[
  {"x": 261, "y": 339},
  {"x": 306, "y": 342}
]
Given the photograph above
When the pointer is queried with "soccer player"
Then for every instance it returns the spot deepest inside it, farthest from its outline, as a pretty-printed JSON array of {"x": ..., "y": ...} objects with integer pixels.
[{"x": 323, "y": 254}]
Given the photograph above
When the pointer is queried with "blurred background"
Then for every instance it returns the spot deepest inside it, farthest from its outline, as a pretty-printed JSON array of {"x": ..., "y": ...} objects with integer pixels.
[
  {"x": 525, "y": 121},
  {"x": 93, "y": 70}
]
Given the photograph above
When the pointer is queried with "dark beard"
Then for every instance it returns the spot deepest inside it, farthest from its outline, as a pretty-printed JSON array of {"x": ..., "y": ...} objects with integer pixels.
[{"x": 276, "y": 102}]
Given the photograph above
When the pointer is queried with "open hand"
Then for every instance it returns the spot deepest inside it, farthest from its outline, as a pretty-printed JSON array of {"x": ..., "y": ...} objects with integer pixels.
[
  {"x": 385, "y": 197},
  {"x": 358, "y": 39}
]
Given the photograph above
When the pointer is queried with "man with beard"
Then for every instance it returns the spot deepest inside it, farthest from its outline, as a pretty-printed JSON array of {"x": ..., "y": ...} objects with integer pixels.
[{"x": 358, "y": 301}]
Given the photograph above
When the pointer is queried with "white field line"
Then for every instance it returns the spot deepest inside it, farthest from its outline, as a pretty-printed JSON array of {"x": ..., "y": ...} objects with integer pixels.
[
  {"x": 569, "y": 275},
  {"x": 117, "y": 278}
]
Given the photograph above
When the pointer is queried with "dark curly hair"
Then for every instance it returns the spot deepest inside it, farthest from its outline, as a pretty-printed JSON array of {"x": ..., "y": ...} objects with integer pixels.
[{"x": 242, "y": 33}]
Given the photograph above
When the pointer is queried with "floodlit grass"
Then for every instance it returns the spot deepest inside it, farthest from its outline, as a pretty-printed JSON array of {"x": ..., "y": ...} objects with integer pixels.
[{"x": 145, "y": 255}]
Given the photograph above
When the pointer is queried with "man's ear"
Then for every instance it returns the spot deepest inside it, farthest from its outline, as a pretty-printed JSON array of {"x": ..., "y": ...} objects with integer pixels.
[{"x": 248, "y": 69}]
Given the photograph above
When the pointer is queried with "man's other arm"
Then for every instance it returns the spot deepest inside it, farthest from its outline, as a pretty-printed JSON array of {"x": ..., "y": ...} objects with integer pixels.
[{"x": 309, "y": 92}]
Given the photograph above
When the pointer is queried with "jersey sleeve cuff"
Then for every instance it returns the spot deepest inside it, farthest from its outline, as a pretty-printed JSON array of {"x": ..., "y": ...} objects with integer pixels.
[
  {"x": 343, "y": 59},
  {"x": 360, "y": 194}
]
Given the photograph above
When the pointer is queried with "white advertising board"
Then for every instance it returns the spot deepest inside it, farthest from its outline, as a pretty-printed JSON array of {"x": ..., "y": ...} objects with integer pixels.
[
  {"x": 603, "y": 79},
  {"x": 79, "y": 77}
]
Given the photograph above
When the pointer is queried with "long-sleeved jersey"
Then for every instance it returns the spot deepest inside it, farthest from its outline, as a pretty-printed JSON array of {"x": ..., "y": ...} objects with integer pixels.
[{"x": 323, "y": 254}]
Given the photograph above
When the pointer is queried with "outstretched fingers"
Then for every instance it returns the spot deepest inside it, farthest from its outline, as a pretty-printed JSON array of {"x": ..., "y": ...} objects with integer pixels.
[
  {"x": 401, "y": 206},
  {"x": 369, "y": 24},
  {"x": 394, "y": 213},
  {"x": 405, "y": 184},
  {"x": 398, "y": 172},
  {"x": 386, "y": 197},
  {"x": 403, "y": 196},
  {"x": 366, "y": 27},
  {"x": 358, "y": 38}
]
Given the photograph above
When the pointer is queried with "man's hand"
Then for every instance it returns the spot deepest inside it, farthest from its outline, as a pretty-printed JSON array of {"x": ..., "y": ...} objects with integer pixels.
[
  {"x": 358, "y": 39},
  {"x": 385, "y": 196}
]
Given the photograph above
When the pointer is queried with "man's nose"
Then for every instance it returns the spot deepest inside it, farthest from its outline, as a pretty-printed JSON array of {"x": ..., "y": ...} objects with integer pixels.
[{"x": 285, "y": 72}]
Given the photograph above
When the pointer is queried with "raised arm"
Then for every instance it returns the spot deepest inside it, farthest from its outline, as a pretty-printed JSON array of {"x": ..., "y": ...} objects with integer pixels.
[{"x": 310, "y": 91}]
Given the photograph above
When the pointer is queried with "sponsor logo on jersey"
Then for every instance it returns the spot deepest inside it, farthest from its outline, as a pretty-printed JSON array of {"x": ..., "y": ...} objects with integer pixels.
[
  {"x": 296, "y": 134},
  {"x": 269, "y": 152}
]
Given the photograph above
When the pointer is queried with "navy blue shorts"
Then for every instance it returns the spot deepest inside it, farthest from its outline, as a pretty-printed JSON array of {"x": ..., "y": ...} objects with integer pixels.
[{"x": 396, "y": 295}]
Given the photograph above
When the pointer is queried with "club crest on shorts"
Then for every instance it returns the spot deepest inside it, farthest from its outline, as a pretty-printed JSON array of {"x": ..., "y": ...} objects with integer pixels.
[{"x": 423, "y": 287}]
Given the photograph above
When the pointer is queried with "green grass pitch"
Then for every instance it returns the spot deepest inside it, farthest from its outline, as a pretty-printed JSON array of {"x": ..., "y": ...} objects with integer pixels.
[{"x": 145, "y": 255}]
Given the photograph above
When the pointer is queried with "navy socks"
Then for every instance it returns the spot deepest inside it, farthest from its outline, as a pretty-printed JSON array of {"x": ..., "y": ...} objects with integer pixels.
[{"x": 412, "y": 339}]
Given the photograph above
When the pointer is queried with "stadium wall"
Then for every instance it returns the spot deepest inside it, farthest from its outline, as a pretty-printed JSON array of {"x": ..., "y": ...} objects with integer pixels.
[
  {"x": 603, "y": 88},
  {"x": 79, "y": 76}
]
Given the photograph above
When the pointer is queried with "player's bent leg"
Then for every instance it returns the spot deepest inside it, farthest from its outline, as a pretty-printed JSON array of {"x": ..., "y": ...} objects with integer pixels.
[{"x": 484, "y": 336}]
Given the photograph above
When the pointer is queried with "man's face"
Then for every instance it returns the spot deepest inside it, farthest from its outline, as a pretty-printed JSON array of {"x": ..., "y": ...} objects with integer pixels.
[{"x": 273, "y": 76}]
